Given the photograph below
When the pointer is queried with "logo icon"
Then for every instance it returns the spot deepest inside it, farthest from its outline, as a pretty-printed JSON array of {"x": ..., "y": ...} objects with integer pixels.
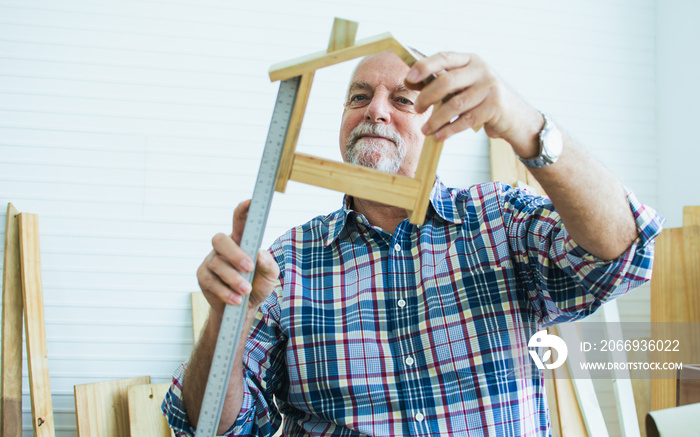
[{"x": 542, "y": 339}]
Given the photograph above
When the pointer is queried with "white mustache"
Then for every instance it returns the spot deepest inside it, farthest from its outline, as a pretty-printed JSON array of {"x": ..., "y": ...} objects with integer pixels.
[{"x": 379, "y": 130}]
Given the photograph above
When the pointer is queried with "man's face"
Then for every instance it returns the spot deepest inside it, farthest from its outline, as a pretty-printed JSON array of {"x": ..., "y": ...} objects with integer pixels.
[{"x": 380, "y": 128}]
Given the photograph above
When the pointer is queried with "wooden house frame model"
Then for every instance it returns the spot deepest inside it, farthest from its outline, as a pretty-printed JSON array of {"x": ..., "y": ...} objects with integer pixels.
[{"x": 411, "y": 194}]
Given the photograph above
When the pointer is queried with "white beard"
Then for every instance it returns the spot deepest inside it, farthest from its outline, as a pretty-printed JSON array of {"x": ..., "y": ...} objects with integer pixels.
[{"x": 379, "y": 154}]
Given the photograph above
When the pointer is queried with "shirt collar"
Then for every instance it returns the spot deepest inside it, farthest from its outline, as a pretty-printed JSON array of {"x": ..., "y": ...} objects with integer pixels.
[{"x": 442, "y": 200}]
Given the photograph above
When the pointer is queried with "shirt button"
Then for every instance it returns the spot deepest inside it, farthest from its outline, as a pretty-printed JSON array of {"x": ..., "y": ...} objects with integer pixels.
[
  {"x": 402, "y": 303},
  {"x": 420, "y": 417},
  {"x": 358, "y": 218},
  {"x": 397, "y": 247},
  {"x": 409, "y": 361}
]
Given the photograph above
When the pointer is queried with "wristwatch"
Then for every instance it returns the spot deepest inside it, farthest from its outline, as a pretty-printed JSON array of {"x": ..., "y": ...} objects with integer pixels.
[{"x": 551, "y": 145}]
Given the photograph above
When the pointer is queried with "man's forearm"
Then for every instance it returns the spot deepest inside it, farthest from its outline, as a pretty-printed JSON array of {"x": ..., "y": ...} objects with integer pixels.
[
  {"x": 590, "y": 200},
  {"x": 197, "y": 372}
]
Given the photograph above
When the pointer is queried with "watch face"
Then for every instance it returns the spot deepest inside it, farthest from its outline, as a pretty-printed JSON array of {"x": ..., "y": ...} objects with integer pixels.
[{"x": 552, "y": 143}]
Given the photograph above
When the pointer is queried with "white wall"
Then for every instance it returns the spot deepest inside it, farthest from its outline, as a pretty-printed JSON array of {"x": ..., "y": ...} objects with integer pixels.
[
  {"x": 677, "y": 109},
  {"x": 132, "y": 128}
]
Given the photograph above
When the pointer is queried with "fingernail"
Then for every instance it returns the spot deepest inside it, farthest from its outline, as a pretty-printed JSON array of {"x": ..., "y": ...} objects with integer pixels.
[
  {"x": 412, "y": 75},
  {"x": 247, "y": 265},
  {"x": 246, "y": 287},
  {"x": 425, "y": 129}
]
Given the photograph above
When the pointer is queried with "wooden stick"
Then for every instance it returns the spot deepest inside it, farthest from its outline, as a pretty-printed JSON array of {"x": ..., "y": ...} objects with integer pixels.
[
  {"x": 290, "y": 143},
  {"x": 425, "y": 173},
  {"x": 342, "y": 34},
  {"x": 622, "y": 382},
  {"x": 37, "y": 357},
  {"x": 314, "y": 61},
  {"x": 200, "y": 313},
  {"x": 585, "y": 392},
  {"x": 354, "y": 180},
  {"x": 11, "y": 330}
]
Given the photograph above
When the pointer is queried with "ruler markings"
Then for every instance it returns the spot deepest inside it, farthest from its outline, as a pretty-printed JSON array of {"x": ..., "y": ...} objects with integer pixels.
[{"x": 232, "y": 323}]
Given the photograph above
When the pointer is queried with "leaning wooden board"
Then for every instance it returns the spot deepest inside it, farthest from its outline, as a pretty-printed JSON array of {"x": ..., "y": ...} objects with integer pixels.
[
  {"x": 145, "y": 417},
  {"x": 691, "y": 216},
  {"x": 11, "y": 329},
  {"x": 102, "y": 408},
  {"x": 37, "y": 356},
  {"x": 675, "y": 297}
]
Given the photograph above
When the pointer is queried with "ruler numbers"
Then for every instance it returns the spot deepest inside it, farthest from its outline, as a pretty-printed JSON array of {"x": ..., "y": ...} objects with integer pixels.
[{"x": 232, "y": 322}]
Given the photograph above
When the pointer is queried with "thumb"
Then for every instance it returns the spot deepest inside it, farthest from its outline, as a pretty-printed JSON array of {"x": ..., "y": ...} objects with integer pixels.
[{"x": 240, "y": 214}]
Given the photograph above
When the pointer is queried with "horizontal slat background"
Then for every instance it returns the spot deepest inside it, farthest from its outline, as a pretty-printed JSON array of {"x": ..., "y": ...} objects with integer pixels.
[{"x": 133, "y": 128}]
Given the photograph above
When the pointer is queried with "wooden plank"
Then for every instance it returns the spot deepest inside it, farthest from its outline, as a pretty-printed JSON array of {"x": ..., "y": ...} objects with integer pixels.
[
  {"x": 425, "y": 174},
  {"x": 101, "y": 408},
  {"x": 622, "y": 382},
  {"x": 290, "y": 142},
  {"x": 342, "y": 35},
  {"x": 641, "y": 385},
  {"x": 145, "y": 417},
  {"x": 200, "y": 313},
  {"x": 367, "y": 46},
  {"x": 11, "y": 329},
  {"x": 674, "y": 298},
  {"x": 571, "y": 420},
  {"x": 583, "y": 387},
  {"x": 691, "y": 216},
  {"x": 362, "y": 182},
  {"x": 33, "y": 299},
  {"x": 507, "y": 168},
  {"x": 688, "y": 386}
]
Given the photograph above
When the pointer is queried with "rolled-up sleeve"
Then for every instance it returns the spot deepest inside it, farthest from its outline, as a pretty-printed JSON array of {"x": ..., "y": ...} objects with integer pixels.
[{"x": 562, "y": 280}]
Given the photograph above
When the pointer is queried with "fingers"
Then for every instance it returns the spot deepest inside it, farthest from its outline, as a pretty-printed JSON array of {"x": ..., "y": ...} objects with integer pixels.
[
  {"x": 435, "y": 64},
  {"x": 240, "y": 214},
  {"x": 472, "y": 95},
  {"x": 445, "y": 86},
  {"x": 265, "y": 279},
  {"x": 474, "y": 119},
  {"x": 215, "y": 290},
  {"x": 464, "y": 110},
  {"x": 231, "y": 252},
  {"x": 222, "y": 275},
  {"x": 229, "y": 276}
]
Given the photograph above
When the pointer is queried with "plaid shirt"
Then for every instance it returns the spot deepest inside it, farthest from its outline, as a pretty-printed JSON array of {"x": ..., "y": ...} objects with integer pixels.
[{"x": 423, "y": 332}]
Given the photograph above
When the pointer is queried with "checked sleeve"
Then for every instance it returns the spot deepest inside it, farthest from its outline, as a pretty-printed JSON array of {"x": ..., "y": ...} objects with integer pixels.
[{"x": 562, "y": 280}]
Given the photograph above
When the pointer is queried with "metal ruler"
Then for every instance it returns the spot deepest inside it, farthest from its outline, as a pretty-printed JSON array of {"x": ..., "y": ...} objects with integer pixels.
[{"x": 232, "y": 323}]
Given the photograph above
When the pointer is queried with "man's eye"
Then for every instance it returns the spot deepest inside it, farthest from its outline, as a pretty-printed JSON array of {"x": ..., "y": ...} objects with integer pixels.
[
  {"x": 404, "y": 101},
  {"x": 357, "y": 100}
]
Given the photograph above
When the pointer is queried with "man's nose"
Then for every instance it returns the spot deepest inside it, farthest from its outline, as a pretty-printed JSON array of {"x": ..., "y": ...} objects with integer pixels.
[{"x": 379, "y": 110}]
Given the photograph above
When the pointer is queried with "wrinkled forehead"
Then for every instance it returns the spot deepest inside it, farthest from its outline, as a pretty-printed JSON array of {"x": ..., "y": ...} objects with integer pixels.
[{"x": 384, "y": 68}]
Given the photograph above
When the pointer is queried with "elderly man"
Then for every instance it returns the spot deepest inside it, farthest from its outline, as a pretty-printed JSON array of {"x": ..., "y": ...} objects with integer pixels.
[{"x": 360, "y": 323}]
